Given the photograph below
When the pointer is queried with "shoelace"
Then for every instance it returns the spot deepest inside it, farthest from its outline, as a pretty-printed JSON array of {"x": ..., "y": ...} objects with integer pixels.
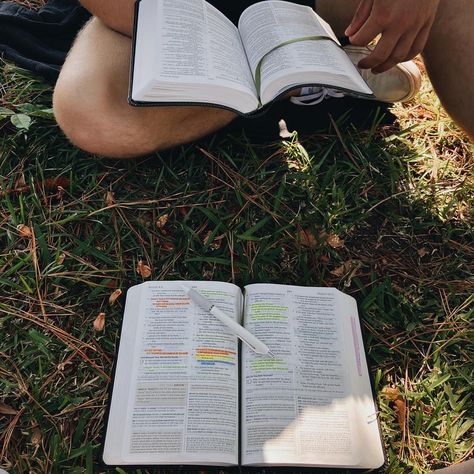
[{"x": 315, "y": 95}]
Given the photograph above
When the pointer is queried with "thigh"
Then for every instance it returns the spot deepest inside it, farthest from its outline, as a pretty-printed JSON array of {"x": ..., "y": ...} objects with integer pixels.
[
  {"x": 449, "y": 60},
  {"x": 98, "y": 51},
  {"x": 90, "y": 102}
]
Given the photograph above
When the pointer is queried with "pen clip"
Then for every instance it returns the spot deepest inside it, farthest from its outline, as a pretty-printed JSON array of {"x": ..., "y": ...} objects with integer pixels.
[{"x": 271, "y": 354}]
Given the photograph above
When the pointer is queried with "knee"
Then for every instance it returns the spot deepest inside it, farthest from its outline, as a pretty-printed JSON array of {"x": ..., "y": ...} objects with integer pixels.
[{"x": 89, "y": 121}]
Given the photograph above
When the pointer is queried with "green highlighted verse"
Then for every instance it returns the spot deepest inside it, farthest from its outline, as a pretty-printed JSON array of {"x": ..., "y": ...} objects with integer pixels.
[
  {"x": 269, "y": 364},
  {"x": 265, "y": 311}
]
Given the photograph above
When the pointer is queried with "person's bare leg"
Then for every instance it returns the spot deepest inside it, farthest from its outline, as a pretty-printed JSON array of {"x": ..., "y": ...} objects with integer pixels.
[
  {"x": 90, "y": 102},
  {"x": 115, "y": 14},
  {"x": 447, "y": 55}
]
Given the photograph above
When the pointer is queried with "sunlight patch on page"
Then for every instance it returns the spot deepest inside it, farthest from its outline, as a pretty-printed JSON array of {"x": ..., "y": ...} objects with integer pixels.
[{"x": 318, "y": 434}]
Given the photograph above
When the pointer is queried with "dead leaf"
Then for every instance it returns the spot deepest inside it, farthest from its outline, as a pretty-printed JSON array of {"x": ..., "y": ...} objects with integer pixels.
[
  {"x": 24, "y": 230},
  {"x": 36, "y": 436},
  {"x": 391, "y": 393},
  {"x": 334, "y": 241},
  {"x": 167, "y": 246},
  {"x": 20, "y": 181},
  {"x": 422, "y": 252},
  {"x": 340, "y": 270},
  {"x": 307, "y": 238},
  {"x": 109, "y": 199},
  {"x": 52, "y": 184},
  {"x": 99, "y": 322},
  {"x": 325, "y": 258},
  {"x": 401, "y": 408},
  {"x": 399, "y": 403},
  {"x": 143, "y": 270},
  {"x": 7, "y": 410},
  {"x": 161, "y": 221},
  {"x": 115, "y": 295},
  {"x": 61, "y": 258},
  {"x": 350, "y": 268}
]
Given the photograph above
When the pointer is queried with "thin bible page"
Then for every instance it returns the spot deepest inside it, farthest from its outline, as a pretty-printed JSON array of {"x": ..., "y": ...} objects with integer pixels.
[
  {"x": 266, "y": 25},
  {"x": 301, "y": 408},
  {"x": 179, "y": 403},
  {"x": 198, "y": 44}
]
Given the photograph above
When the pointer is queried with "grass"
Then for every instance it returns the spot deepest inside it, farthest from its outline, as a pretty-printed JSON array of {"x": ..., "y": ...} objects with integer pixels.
[{"x": 384, "y": 214}]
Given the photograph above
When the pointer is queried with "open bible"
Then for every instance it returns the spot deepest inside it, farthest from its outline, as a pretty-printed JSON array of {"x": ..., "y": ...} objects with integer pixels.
[
  {"x": 186, "y": 392},
  {"x": 187, "y": 52}
]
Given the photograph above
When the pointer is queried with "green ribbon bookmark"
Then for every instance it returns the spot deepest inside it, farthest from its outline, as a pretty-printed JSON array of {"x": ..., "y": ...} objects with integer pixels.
[{"x": 258, "y": 72}]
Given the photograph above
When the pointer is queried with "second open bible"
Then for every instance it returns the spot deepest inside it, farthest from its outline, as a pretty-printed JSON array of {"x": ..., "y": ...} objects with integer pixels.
[{"x": 186, "y": 393}]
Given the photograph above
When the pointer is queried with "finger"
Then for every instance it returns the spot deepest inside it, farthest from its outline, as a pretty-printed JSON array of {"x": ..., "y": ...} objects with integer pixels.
[
  {"x": 369, "y": 31},
  {"x": 419, "y": 44},
  {"x": 373, "y": 27},
  {"x": 398, "y": 55},
  {"x": 382, "y": 51},
  {"x": 360, "y": 17}
]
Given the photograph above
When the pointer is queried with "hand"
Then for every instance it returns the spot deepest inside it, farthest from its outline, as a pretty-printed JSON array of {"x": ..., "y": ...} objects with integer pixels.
[{"x": 404, "y": 25}]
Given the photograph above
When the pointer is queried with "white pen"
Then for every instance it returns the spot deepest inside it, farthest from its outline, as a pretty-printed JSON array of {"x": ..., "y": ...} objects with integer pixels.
[{"x": 246, "y": 336}]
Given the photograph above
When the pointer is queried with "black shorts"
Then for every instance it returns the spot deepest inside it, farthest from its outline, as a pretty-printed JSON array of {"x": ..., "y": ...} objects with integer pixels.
[
  {"x": 232, "y": 9},
  {"x": 346, "y": 112}
]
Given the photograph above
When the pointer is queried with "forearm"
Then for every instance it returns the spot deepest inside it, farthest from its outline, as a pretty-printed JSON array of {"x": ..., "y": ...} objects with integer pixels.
[{"x": 116, "y": 14}]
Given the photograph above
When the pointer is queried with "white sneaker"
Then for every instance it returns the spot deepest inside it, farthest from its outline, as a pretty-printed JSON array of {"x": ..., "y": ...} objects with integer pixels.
[{"x": 399, "y": 84}]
